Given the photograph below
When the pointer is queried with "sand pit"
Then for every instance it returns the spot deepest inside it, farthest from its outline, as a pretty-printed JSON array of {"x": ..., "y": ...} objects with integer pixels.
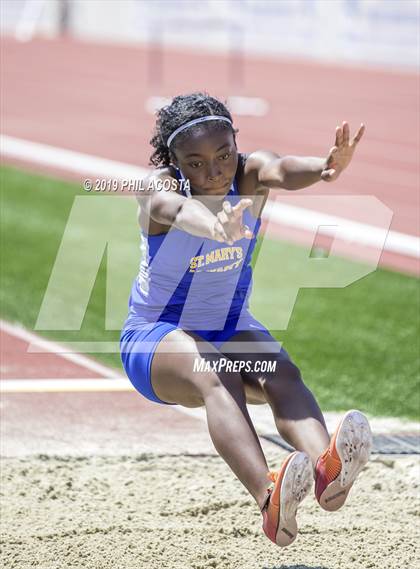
[{"x": 189, "y": 512}]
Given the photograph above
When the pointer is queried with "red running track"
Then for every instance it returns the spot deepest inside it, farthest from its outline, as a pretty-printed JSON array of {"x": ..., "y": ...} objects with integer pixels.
[
  {"x": 91, "y": 98},
  {"x": 79, "y": 422}
]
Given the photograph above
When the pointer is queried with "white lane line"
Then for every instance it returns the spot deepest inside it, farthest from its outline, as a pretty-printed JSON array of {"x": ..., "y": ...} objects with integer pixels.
[
  {"x": 68, "y": 160},
  {"x": 297, "y": 217},
  {"x": 62, "y": 385},
  {"x": 354, "y": 231},
  {"x": 260, "y": 414},
  {"x": 58, "y": 349}
]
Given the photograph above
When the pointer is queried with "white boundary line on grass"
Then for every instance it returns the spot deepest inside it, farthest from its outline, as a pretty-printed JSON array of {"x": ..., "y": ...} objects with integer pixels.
[
  {"x": 59, "y": 350},
  {"x": 68, "y": 160},
  {"x": 113, "y": 381},
  {"x": 68, "y": 384},
  {"x": 297, "y": 217}
]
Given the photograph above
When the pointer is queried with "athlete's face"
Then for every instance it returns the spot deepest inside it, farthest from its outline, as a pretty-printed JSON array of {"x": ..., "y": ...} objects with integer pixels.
[{"x": 209, "y": 160}]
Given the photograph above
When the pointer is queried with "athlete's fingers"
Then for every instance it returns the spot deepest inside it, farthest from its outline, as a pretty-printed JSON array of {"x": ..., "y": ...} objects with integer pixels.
[
  {"x": 328, "y": 175},
  {"x": 359, "y": 134},
  {"x": 246, "y": 232},
  {"x": 241, "y": 205},
  {"x": 220, "y": 233},
  {"x": 227, "y": 208},
  {"x": 331, "y": 157},
  {"x": 338, "y": 136},
  {"x": 346, "y": 132},
  {"x": 222, "y": 217},
  {"x": 230, "y": 219},
  {"x": 230, "y": 226}
]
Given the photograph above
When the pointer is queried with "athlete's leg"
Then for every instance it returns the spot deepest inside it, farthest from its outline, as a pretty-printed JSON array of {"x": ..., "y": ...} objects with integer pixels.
[
  {"x": 175, "y": 381},
  {"x": 297, "y": 415}
]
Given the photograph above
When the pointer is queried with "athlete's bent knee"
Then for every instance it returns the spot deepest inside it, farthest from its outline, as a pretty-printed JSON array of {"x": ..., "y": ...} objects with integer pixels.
[
  {"x": 220, "y": 384},
  {"x": 285, "y": 373}
]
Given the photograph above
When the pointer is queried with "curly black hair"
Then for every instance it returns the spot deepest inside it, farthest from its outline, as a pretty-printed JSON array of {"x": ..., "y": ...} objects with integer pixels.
[{"x": 181, "y": 110}]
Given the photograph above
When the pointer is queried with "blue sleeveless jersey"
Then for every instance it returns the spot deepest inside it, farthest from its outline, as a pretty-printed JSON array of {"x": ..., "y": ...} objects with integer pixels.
[{"x": 193, "y": 282}]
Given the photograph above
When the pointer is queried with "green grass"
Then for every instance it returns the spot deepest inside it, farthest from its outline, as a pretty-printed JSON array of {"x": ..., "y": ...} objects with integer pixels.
[{"x": 357, "y": 346}]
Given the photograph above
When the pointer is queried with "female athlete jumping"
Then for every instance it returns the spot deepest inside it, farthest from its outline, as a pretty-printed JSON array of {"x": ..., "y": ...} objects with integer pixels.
[{"x": 189, "y": 306}]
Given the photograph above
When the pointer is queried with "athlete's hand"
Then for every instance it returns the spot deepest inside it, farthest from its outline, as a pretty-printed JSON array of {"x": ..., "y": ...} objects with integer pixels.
[
  {"x": 228, "y": 226},
  {"x": 342, "y": 152}
]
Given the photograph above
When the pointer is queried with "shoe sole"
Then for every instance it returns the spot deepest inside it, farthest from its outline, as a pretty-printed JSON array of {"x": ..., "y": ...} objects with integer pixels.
[
  {"x": 296, "y": 483},
  {"x": 353, "y": 444}
]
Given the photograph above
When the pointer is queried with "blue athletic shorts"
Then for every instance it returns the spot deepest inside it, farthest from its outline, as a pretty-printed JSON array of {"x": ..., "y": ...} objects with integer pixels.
[{"x": 139, "y": 340}]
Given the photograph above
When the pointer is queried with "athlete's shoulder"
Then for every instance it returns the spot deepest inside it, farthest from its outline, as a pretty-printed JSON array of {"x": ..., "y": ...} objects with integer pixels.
[
  {"x": 257, "y": 159},
  {"x": 249, "y": 168}
]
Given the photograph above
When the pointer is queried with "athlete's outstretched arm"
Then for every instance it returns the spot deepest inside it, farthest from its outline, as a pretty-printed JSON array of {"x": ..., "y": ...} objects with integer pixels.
[
  {"x": 190, "y": 215},
  {"x": 296, "y": 172}
]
